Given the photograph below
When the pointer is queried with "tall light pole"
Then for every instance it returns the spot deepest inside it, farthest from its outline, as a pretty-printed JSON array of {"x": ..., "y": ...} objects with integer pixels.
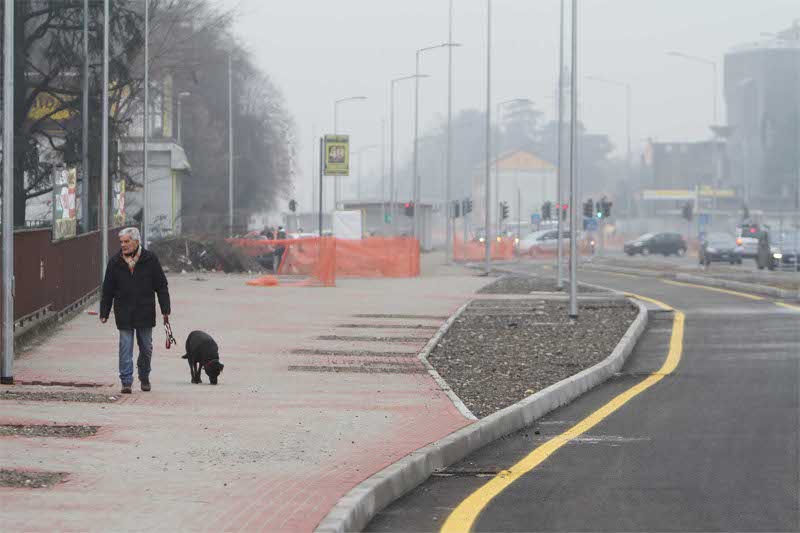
[
  {"x": 560, "y": 174},
  {"x": 104, "y": 143},
  {"x": 713, "y": 65},
  {"x": 573, "y": 169},
  {"x": 488, "y": 187},
  {"x": 230, "y": 145},
  {"x": 448, "y": 193},
  {"x": 146, "y": 124},
  {"x": 85, "y": 121},
  {"x": 181, "y": 96},
  {"x": 416, "y": 178},
  {"x": 627, "y": 87},
  {"x": 392, "y": 190},
  {"x": 497, "y": 153},
  {"x": 336, "y": 104},
  {"x": 7, "y": 367}
]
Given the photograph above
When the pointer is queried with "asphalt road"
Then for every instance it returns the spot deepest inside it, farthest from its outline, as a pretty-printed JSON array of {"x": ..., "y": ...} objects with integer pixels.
[{"x": 713, "y": 446}]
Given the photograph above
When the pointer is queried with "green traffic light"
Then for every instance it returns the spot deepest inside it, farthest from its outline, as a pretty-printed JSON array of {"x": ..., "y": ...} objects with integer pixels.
[{"x": 599, "y": 215}]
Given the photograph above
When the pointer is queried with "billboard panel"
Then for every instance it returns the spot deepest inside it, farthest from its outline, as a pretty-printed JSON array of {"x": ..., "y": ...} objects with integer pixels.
[{"x": 337, "y": 155}]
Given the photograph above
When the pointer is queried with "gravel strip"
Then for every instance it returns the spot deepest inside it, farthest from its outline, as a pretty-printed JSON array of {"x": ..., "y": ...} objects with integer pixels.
[
  {"x": 30, "y": 480},
  {"x": 499, "y": 352},
  {"x": 65, "y": 396},
  {"x": 41, "y": 430},
  {"x": 519, "y": 284},
  {"x": 358, "y": 369}
]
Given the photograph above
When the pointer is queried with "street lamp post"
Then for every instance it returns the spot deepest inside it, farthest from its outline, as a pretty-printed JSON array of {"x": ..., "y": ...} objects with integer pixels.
[
  {"x": 181, "y": 96},
  {"x": 392, "y": 189},
  {"x": 713, "y": 65},
  {"x": 7, "y": 364},
  {"x": 230, "y": 146},
  {"x": 104, "y": 145},
  {"x": 497, "y": 154},
  {"x": 573, "y": 169},
  {"x": 146, "y": 125},
  {"x": 448, "y": 192},
  {"x": 416, "y": 178},
  {"x": 487, "y": 218},
  {"x": 337, "y": 179},
  {"x": 560, "y": 144}
]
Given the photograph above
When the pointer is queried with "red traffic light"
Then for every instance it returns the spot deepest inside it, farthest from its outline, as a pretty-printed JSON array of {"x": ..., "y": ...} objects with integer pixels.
[
  {"x": 408, "y": 204},
  {"x": 752, "y": 230}
]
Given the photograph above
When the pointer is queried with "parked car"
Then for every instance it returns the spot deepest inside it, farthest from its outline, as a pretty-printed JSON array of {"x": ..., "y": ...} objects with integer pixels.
[
  {"x": 657, "y": 243},
  {"x": 781, "y": 254},
  {"x": 720, "y": 247}
]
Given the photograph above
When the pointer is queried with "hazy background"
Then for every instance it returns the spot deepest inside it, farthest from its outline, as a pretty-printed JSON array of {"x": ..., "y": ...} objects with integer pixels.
[{"x": 317, "y": 51}]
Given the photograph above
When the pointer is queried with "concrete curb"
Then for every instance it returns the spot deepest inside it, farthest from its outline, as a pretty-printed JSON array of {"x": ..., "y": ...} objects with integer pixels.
[
  {"x": 354, "y": 511},
  {"x": 426, "y": 351},
  {"x": 739, "y": 285},
  {"x": 754, "y": 288}
]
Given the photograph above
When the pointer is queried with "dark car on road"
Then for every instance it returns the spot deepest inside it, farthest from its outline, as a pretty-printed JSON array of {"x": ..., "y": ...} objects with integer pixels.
[
  {"x": 657, "y": 243},
  {"x": 781, "y": 254},
  {"x": 720, "y": 247}
]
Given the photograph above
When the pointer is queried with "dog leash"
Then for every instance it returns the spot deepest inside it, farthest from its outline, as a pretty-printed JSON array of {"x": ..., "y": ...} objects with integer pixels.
[{"x": 170, "y": 338}]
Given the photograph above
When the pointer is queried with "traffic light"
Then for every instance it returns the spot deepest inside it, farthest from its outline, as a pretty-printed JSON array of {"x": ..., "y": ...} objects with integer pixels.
[
  {"x": 687, "y": 211},
  {"x": 547, "y": 211},
  {"x": 606, "y": 207},
  {"x": 598, "y": 209},
  {"x": 588, "y": 208},
  {"x": 292, "y": 206},
  {"x": 456, "y": 209},
  {"x": 468, "y": 205},
  {"x": 504, "y": 209},
  {"x": 564, "y": 211},
  {"x": 409, "y": 209}
]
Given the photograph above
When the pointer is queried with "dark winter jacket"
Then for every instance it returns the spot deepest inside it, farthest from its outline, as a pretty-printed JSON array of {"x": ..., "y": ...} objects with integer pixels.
[
  {"x": 200, "y": 346},
  {"x": 134, "y": 294}
]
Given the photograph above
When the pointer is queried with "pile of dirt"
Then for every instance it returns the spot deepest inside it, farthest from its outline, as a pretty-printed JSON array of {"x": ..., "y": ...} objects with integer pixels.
[{"x": 193, "y": 254}]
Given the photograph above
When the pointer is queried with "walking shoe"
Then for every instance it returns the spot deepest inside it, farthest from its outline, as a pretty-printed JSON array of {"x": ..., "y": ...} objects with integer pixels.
[
  {"x": 145, "y": 384},
  {"x": 126, "y": 389}
]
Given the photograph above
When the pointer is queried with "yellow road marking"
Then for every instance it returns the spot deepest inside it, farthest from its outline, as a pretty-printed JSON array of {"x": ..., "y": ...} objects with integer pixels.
[
  {"x": 715, "y": 289},
  {"x": 464, "y": 516},
  {"x": 624, "y": 275},
  {"x": 788, "y": 306}
]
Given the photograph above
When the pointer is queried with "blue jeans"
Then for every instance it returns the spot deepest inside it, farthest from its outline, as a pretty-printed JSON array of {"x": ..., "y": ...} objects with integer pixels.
[{"x": 144, "y": 338}]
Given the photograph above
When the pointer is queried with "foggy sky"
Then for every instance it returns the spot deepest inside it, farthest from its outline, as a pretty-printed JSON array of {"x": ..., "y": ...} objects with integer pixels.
[{"x": 317, "y": 51}]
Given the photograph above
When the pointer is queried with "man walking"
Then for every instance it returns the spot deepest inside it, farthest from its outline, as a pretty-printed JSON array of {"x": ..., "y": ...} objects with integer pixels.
[{"x": 133, "y": 278}]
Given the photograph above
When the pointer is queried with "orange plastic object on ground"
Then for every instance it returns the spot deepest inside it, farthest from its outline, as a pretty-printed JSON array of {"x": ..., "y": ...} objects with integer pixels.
[
  {"x": 323, "y": 260},
  {"x": 502, "y": 250},
  {"x": 264, "y": 281}
]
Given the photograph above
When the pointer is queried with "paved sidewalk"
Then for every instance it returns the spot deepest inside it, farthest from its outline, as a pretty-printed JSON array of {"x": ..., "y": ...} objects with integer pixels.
[{"x": 271, "y": 448}]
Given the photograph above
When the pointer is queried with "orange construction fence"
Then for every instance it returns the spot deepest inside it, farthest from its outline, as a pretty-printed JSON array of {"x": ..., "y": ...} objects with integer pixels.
[
  {"x": 323, "y": 260},
  {"x": 501, "y": 250}
]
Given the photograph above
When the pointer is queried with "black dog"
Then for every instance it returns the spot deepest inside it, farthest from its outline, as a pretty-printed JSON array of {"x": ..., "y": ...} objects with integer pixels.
[{"x": 202, "y": 352}]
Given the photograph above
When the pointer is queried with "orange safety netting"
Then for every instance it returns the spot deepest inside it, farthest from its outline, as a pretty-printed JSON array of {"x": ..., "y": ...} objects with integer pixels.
[
  {"x": 323, "y": 260},
  {"x": 501, "y": 250}
]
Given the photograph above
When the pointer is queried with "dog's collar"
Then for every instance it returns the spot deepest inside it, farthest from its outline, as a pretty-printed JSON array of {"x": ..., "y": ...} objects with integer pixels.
[{"x": 209, "y": 362}]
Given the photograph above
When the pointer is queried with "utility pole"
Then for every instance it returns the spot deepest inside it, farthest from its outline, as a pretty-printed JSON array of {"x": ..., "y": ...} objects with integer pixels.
[
  {"x": 146, "y": 123},
  {"x": 230, "y": 145},
  {"x": 85, "y": 122},
  {"x": 560, "y": 175},
  {"x": 7, "y": 367},
  {"x": 104, "y": 142},
  {"x": 448, "y": 195},
  {"x": 488, "y": 218},
  {"x": 573, "y": 170}
]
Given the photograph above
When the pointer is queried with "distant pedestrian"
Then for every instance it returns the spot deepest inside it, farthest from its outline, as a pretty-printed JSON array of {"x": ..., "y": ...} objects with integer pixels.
[
  {"x": 279, "y": 249},
  {"x": 133, "y": 279}
]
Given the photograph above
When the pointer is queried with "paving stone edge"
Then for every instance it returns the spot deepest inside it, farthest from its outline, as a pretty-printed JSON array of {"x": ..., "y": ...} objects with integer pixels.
[{"x": 356, "y": 508}]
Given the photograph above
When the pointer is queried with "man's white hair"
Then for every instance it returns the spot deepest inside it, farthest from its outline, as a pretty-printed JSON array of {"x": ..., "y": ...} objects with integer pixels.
[{"x": 133, "y": 233}]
